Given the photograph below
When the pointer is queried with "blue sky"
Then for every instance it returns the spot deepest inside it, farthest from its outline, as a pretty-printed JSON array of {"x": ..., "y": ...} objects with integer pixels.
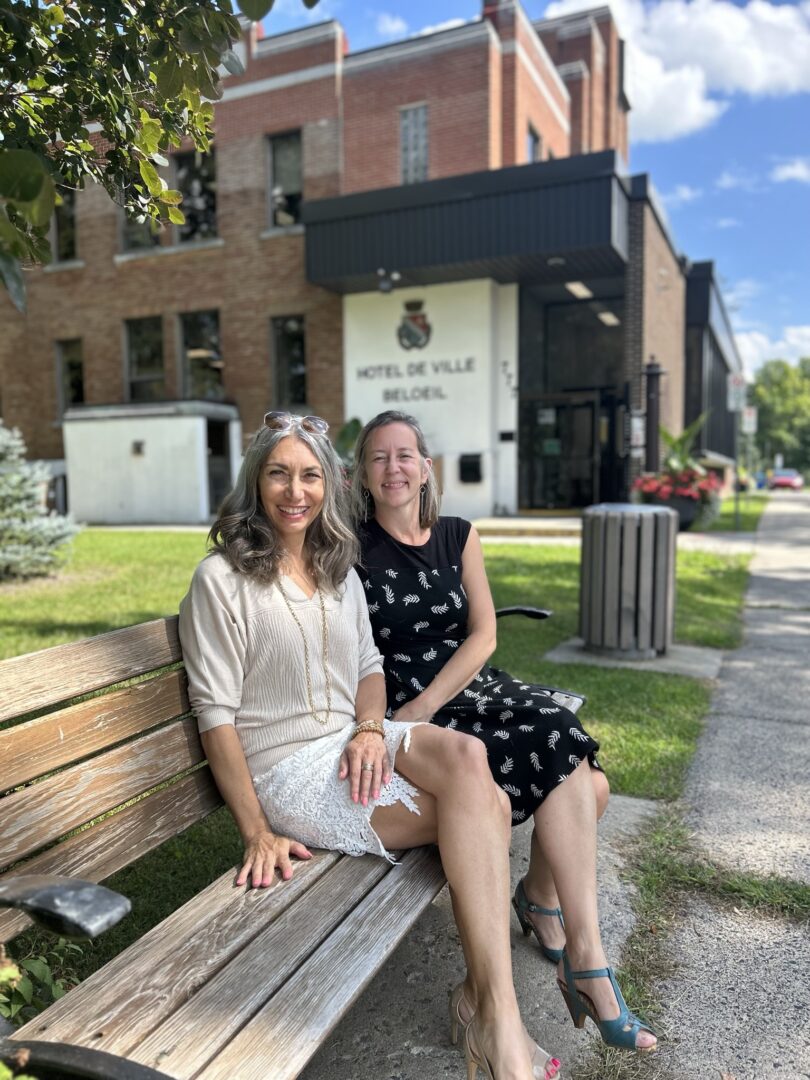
[{"x": 721, "y": 121}]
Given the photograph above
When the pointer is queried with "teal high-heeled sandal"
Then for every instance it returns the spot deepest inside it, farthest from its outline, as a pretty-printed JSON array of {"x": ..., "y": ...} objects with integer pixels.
[
  {"x": 620, "y": 1032},
  {"x": 522, "y": 905}
]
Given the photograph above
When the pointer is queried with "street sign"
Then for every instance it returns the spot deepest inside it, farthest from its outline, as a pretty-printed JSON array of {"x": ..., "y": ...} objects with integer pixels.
[
  {"x": 748, "y": 420},
  {"x": 736, "y": 391}
]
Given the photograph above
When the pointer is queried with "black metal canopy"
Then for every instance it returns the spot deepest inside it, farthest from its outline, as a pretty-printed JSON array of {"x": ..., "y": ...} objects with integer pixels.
[{"x": 553, "y": 221}]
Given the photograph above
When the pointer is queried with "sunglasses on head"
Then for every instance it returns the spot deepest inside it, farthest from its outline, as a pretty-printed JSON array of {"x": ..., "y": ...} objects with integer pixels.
[{"x": 283, "y": 421}]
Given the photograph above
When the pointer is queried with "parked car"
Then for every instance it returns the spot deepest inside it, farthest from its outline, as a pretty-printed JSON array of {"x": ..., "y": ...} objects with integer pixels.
[{"x": 786, "y": 478}]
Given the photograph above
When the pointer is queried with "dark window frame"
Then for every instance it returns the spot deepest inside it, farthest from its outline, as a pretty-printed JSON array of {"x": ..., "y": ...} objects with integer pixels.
[
  {"x": 217, "y": 364},
  {"x": 62, "y": 383},
  {"x": 65, "y": 215},
  {"x": 292, "y": 200},
  {"x": 534, "y": 144},
  {"x": 133, "y": 379},
  {"x": 189, "y": 233},
  {"x": 282, "y": 377}
]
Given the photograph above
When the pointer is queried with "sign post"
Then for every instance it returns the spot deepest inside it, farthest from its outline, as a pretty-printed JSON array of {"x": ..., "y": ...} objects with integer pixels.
[{"x": 736, "y": 395}]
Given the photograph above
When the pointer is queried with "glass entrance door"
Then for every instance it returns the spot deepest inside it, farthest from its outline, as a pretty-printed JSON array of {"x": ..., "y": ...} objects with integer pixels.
[{"x": 559, "y": 451}]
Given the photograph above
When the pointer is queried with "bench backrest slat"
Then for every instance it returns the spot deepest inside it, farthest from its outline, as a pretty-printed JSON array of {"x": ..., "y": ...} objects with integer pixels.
[
  {"x": 49, "y": 676},
  {"x": 116, "y": 841},
  {"x": 36, "y": 815},
  {"x": 39, "y": 746}
]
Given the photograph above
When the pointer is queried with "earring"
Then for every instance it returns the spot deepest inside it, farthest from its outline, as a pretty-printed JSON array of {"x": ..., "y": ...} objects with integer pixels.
[
  {"x": 422, "y": 490},
  {"x": 366, "y": 494}
]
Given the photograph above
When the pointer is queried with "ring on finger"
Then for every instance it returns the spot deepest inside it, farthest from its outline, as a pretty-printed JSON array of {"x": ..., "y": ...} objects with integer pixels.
[{"x": 367, "y": 767}]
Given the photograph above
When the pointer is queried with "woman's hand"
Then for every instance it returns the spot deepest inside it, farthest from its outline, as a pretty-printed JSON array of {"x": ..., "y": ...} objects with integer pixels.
[
  {"x": 367, "y": 748},
  {"x": 266, "y": 852},
  {"x": 414, "y": 712}
]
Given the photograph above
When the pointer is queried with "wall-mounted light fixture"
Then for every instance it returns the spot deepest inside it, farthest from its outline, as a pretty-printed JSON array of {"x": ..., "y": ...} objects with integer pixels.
[{"x": 387, "y": 279}]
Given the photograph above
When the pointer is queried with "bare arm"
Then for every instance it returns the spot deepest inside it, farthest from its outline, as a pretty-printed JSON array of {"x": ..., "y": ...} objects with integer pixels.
[
  {"x": 464, "y": 665},
  {"x": 263, "y": 850}
]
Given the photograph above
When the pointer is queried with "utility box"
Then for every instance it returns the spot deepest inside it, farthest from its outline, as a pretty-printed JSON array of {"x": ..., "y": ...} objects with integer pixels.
[
  {"x": 162, "y": 462},
  {"x": 627, "y": 579}
]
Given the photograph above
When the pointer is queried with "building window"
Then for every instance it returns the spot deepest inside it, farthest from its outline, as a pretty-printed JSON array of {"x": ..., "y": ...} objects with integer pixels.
[
  {"x": 64, "y": 235},
  {"x": 69, "y": 374},
  {"x": 285, "y": 179},
  {"x": 138, "y": 235},
  {"x": 534, "y": 145},
  {"x": 195, "y": 176},
  {"x": 289, "y": 356},
  {"x": 413, "y": 131},
  {"x": 145, "y": 374},
  {"x": 202, "y": 359}
]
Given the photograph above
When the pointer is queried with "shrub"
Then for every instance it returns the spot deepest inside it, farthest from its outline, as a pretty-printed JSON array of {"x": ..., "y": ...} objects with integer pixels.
[{"x": 31, "y": 538}]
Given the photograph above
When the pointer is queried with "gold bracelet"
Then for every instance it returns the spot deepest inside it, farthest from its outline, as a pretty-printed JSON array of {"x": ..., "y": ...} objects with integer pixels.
[{"x": 369, "y": 725}]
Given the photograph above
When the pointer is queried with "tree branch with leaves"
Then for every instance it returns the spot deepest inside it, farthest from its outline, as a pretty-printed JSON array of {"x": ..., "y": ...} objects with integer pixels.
[{"x": 102, "y": 91}]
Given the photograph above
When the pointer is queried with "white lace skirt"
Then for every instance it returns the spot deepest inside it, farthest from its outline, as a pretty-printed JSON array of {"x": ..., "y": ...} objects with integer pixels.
[{"x": 304, "y": 800}]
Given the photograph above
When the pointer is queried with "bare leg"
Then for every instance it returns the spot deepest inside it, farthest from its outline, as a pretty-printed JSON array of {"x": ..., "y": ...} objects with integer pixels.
[
  {"x": 472, "y": 833},
  {"x": 539, "y": 881},
  {"x": 565, "y": 825}
]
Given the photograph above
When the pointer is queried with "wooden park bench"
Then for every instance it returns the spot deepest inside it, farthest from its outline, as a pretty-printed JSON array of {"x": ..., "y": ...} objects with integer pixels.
[{"x": 237, "y": 983}]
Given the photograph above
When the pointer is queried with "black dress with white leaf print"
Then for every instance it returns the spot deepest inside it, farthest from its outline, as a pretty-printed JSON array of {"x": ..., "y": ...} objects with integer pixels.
[{"x": 418, "y": 609}]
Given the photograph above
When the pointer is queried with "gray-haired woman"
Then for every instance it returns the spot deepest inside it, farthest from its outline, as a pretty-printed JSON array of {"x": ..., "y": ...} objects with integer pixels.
[{"x": 288, "y": 690}]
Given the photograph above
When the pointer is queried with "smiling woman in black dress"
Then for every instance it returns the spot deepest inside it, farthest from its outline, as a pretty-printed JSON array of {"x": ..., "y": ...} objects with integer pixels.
[{"x": 434, "y": 622}]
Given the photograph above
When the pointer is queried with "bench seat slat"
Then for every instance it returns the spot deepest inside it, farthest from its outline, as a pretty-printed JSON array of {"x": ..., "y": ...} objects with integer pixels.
[
  {"x": 119, "y": 1005},
  {"x": 287, "y": 1032},
  {"x": 39, "y": 746},
  {"x": 49, "y": 676},
  {"x": 36, "y": 815},
  {"x": 190, "y": 1037},
  {"x": 115, "y": 842}
]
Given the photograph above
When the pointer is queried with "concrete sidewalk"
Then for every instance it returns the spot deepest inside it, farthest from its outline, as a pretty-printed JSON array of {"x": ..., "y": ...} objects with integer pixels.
[{"x": 739, "y": 1002}]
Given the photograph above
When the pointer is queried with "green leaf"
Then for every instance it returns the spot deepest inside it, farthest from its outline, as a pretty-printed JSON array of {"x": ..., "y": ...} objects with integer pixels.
[
  {"x": 232, "y": 62},
  {"x": 171, "y": 198},
  {"x": 39, "y": 968},
  {"x": 25, "y": 988},
  {"x": 150, "y": 177},
  {"x": 255, "y": 10},
  {"x": 39, "y": 211},
  {"x": 177, "y": 217},
  {"x": 22, "y": 175},
  {"x": 169, "y": 78},
  {"x": 56, "y": 15},
  {"x": 13, "y": 280}
]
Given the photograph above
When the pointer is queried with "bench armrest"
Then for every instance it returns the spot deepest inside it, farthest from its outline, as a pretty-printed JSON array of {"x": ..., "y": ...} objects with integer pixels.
[
  {"x": 67, "y": 906},
  {"x": 529, "y": 612}
]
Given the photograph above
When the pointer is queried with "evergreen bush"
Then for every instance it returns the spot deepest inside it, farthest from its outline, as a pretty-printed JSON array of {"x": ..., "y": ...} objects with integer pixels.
[{"x": 32, "y": 539}]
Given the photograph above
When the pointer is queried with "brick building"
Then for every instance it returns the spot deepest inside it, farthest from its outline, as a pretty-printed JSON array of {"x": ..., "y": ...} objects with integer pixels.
[{"x": 446, "y": 218}]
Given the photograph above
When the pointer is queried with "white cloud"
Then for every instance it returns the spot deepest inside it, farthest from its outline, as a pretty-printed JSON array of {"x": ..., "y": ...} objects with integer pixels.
[
  {"x": 756, "y": 347},
  {"x": 390, "y": 26},
  {"x": 728, "y": 223},
  {"x": 448, "y": 24},
  {"x": 685, "y": 58},
  {"x": 734, "y": 178},
  {"x": 682, "y": 194},
  {"x": 797, "y": 169},
  {"x": 738, "y": 294}
]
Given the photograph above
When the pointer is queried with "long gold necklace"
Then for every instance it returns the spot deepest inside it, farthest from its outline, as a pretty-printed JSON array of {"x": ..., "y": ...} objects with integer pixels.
[{"x": 325, "y": 638}]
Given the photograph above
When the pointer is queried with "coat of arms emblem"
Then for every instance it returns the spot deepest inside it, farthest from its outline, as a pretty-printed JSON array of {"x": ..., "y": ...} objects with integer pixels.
[{"x": 414, "y": 330}]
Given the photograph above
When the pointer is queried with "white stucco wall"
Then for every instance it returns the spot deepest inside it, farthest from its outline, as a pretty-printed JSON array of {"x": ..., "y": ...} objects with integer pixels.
[
  {"x": 110, "y": 483},
  {"x": 455, "y": 385}
]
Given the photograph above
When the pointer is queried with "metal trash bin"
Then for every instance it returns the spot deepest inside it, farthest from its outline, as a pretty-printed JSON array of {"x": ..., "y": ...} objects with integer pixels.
[{"x": 627, "y": 579}]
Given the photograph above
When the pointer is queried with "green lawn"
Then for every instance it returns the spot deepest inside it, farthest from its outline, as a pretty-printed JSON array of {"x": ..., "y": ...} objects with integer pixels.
[
  {"x": 647, "y": 724},
  {"x": 751, "y": 506}
]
